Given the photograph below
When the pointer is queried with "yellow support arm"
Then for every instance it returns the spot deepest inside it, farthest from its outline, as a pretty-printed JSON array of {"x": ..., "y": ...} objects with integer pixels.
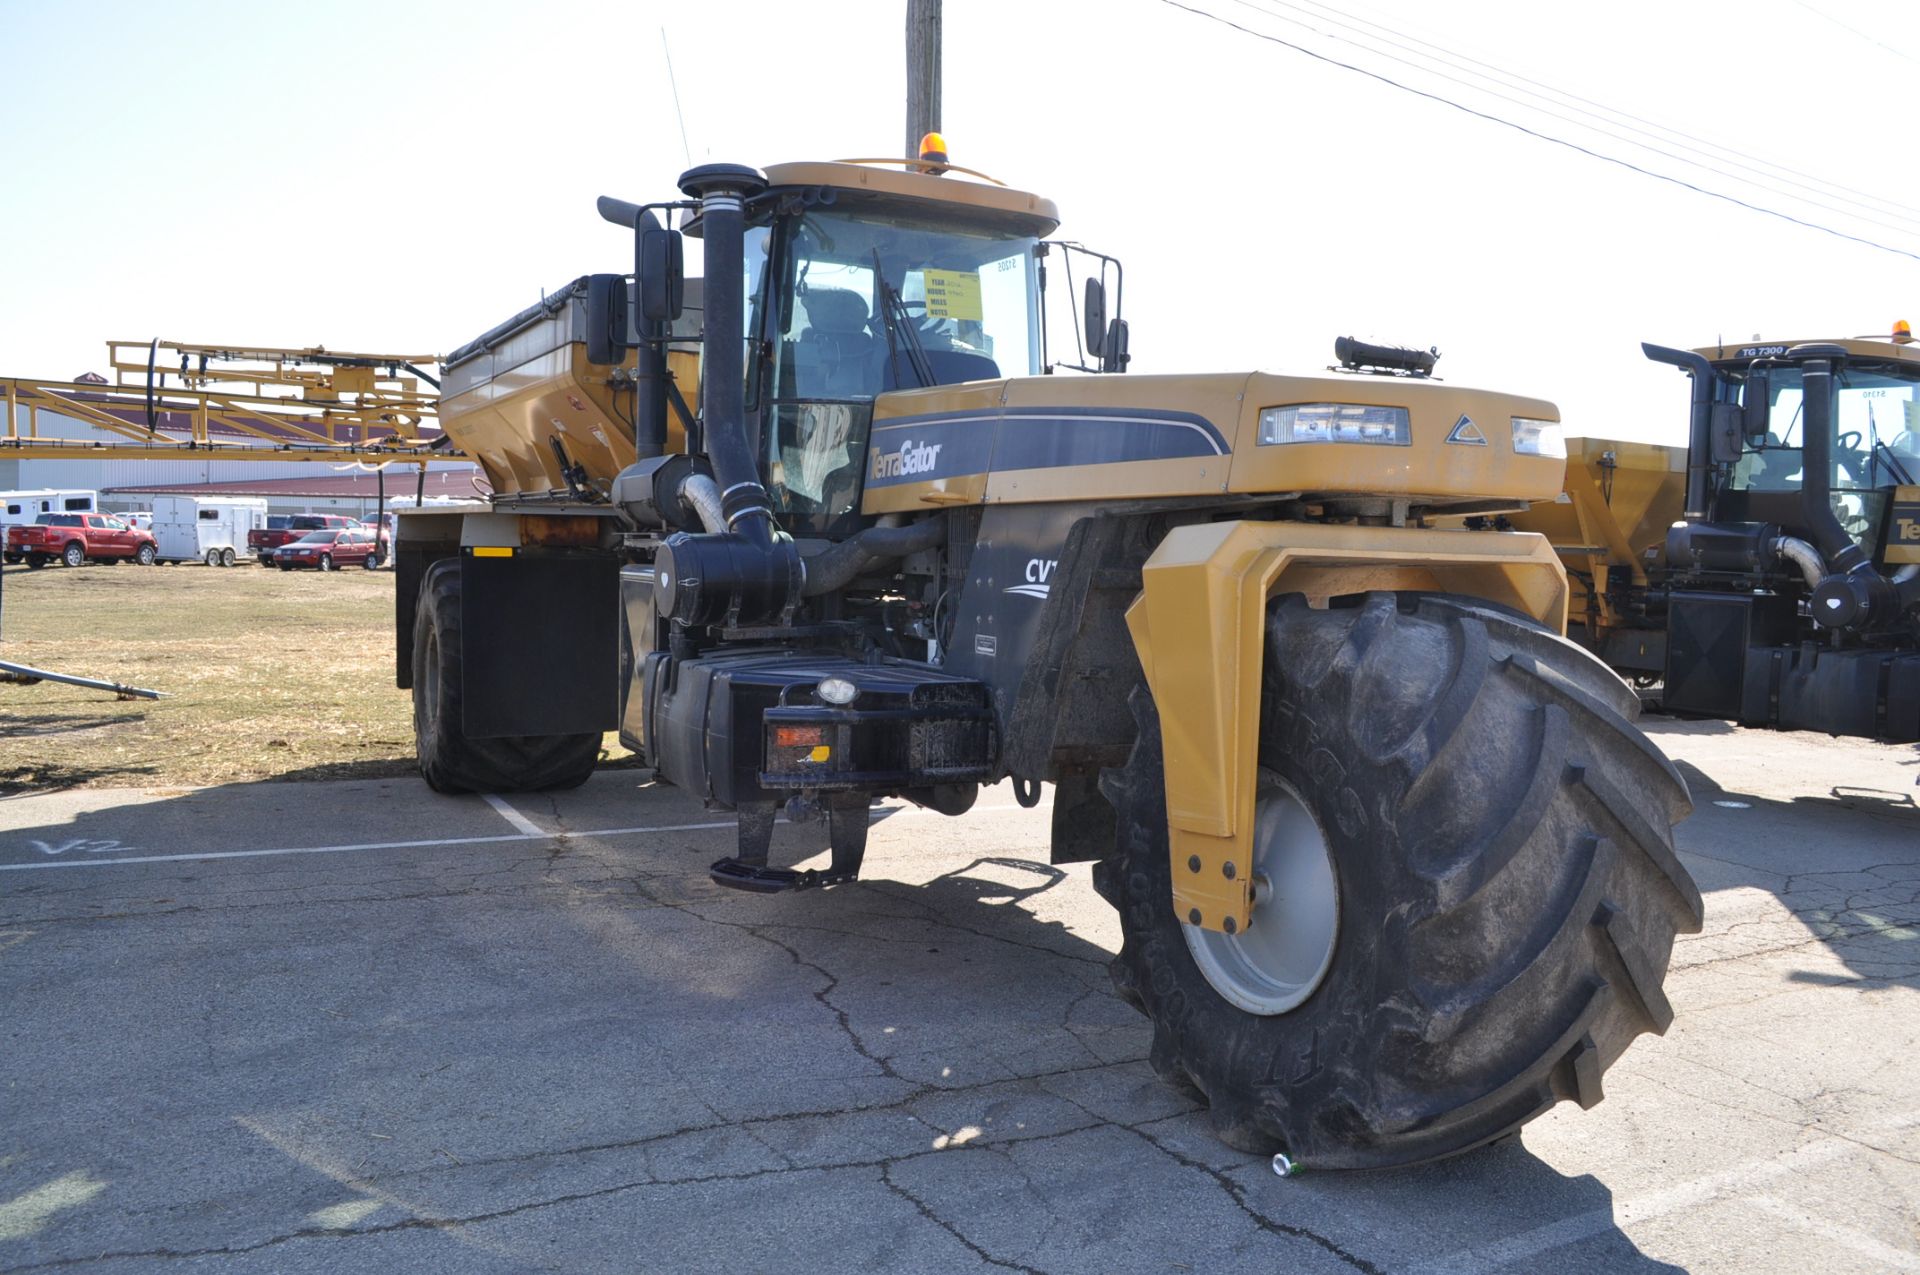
[{"x": 1200, "y": 626}]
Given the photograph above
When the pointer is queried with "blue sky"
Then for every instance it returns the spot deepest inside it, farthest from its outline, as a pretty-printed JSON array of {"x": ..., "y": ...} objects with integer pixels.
[{"x": 401, "y": 176}]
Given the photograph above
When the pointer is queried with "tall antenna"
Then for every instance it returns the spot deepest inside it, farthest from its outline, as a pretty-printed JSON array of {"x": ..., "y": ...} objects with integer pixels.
[{"x": 675, "y": 85}]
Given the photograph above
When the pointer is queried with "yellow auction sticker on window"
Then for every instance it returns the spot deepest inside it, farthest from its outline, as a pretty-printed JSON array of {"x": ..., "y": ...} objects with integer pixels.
[{"x": 953, "y": 294}]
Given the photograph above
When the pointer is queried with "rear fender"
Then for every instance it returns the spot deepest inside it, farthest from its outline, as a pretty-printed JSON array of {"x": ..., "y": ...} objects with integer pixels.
[{"x": 1199, "y": 626}]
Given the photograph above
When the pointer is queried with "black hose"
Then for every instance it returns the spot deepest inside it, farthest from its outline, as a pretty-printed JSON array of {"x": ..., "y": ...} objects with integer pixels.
[{"x": 833, "y": 570}]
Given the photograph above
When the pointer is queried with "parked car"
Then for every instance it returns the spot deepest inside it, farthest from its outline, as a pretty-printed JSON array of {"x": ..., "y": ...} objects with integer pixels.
[
  {"x": 74, "y": 538},
  {"x": 331, "y": 550},
  {"x": 282, "y": 529}
]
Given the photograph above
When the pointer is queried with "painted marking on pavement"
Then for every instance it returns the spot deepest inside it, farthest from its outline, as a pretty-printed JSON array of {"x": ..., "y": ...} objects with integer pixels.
[
  {"x": 895, "y": 812},
  {"x": 520, "y": 822},
  {"x": 1729, "y": 1185},
  {"x": 1889, "y": 1257},
  {"x": 88, "y": 845},
  {"x": 367, "y": 845}
]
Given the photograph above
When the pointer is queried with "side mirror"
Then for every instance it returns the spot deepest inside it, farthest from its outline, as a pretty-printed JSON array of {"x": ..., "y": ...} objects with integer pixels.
[
  {"x": 1757, "y": 406},
  {"x": 660, "y": 273},
  {"x": 1728, "y": 420},
  {"x": 1113, "y": 354},
  {"x": 606, "y": 319},
  {"x": 1096, "y": 312}
]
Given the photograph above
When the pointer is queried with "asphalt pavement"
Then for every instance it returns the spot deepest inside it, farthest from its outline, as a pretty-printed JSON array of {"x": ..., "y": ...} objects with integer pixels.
[{"x": 288, "y": 1027}]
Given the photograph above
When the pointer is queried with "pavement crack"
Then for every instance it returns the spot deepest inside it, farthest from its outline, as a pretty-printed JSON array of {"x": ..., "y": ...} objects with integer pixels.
[
  {"x": 920, "y": 1206},
  {"x": 1238, "y": 1194}
]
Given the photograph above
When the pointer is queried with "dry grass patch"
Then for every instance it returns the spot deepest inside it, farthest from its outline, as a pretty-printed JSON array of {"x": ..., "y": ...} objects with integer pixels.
[{"x": 267, "y": 674}]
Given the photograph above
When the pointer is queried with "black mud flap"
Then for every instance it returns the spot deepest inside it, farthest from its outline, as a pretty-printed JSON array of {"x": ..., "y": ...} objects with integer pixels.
[{"x": 540, "y": 644}]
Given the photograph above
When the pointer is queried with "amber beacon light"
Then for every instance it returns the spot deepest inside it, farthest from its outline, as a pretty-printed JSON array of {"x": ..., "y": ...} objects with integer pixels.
[{"x": 933, "y": 149}]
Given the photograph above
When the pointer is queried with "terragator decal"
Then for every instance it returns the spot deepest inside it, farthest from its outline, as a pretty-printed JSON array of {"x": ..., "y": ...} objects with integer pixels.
[{"x": 910, "y": 460}]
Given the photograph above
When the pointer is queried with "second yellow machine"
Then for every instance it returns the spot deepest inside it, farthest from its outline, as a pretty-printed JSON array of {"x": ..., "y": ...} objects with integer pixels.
[{"x": 1394, "y": 866}]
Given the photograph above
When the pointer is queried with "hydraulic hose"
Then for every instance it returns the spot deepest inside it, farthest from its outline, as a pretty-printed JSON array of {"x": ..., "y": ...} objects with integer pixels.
[{"x": 836, "y": 568}]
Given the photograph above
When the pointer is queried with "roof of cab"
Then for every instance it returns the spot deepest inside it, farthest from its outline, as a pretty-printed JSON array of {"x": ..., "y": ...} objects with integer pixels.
[{"x": 950, "y": 188}]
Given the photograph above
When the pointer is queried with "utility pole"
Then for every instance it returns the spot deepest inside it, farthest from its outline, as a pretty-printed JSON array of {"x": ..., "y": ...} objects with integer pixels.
[{"x": 923, "y": 72}]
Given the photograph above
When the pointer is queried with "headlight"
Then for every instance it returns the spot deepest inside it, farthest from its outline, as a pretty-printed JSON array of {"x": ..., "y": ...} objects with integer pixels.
[
  {"x": 1335, "y": 423},
  {"x": 837, "y": 690},
  {"x": 1538, "y": 438}
]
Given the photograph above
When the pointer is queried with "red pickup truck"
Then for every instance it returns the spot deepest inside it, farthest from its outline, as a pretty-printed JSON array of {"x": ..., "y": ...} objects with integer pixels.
[
  {"x": 286, "y": 528},
  {"x": 74, "y": 538}
]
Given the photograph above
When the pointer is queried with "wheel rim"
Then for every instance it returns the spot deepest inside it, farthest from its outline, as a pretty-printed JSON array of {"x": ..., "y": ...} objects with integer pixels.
[
  {"x": 75, "y": 555},
  {"x": 1277, "y": 961}
]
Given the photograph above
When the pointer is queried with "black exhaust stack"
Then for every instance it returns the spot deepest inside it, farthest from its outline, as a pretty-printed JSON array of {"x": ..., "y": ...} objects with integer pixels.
[
  {"x": 751, "y": 573},
  {"x": 1699, "y": 425}
]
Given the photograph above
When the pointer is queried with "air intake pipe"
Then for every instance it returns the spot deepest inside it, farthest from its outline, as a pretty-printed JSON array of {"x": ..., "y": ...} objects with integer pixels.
[
  {"x": 750, "y": 573},
  {"x": 1852, "y": 595}
]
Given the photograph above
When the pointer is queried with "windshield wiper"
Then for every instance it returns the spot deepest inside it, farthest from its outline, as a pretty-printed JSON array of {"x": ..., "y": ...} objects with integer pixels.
[{"x": 893, "y": 313}]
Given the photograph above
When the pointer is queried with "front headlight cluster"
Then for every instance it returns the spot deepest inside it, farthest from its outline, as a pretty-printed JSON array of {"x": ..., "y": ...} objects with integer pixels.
[
  {"x": 1391, "y": 426},
  {"x": 1336, "y": 423}
]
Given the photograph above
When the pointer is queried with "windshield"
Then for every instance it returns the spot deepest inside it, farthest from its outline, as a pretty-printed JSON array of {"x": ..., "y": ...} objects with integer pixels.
[
  {"x": 1876, "y": 444},
  {"x": 317, "y": 538},
  {"x": 868, "y": 301},
  {"x": 1876, "y": 432}
]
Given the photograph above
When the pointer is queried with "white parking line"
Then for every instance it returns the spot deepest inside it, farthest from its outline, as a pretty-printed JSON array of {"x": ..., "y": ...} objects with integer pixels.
[
  {"x": 1728, "y": 1185},
  {"x": 1889, "y": 1257},
  {"x": 367, "y": 845},
  {"x": 520, "y": 822},
  {"x": 533, "y": 833}
]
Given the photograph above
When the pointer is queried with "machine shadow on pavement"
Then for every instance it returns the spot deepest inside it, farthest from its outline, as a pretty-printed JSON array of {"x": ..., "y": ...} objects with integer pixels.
[
  {"x": 470, "y": 1035},
  {"x": 1863, "y": 905}
]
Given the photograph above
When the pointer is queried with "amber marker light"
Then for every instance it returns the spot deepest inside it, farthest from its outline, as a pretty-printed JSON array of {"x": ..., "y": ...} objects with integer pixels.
[
  {"x": 933, "y": 149},
  {"x": 1902, "y": 332}
]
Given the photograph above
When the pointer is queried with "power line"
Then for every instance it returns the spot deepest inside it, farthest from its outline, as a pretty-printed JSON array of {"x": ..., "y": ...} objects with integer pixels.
[
  {"x": 1852, "y": 30},
  {"x": 1545, "y": 137},
  {"x": 1912, "y": 226},
  {"x": 1622, "y": 119}
]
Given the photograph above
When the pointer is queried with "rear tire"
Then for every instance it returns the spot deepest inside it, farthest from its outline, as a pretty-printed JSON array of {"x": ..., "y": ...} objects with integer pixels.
[
  {"x": 449, "y": 760},
  {"x": 35, "y": 561},
  {"x": 1507, "y": 890},
  {"x": 75, "y": 554},
  {"x": 228, "y": 557}
]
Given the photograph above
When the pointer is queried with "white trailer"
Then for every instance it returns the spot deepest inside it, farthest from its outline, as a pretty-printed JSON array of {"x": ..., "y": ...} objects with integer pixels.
[
  {"x": 19, "y": 508},
  {"x": 209, "y": 529}
]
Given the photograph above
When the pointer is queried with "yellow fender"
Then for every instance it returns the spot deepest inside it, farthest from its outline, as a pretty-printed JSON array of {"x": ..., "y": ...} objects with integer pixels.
[{"x": 1204, "y": 607}]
